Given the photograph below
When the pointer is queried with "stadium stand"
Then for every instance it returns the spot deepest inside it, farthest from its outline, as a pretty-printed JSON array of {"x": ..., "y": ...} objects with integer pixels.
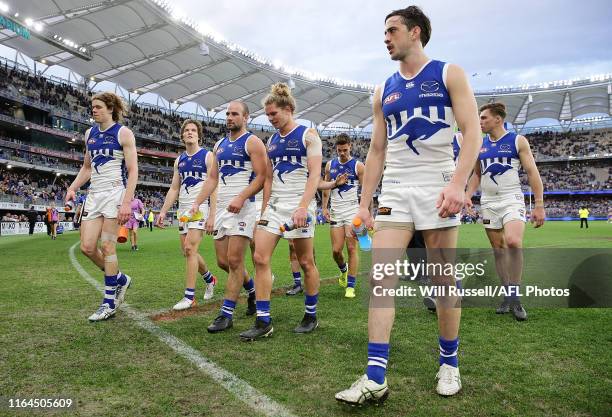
[{"x": 55, "y": 115}]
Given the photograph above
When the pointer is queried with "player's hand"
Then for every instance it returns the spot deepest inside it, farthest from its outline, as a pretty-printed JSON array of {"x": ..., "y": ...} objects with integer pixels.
[
  {"x": 469, "y": 206},
  {"x": 300, "y": 217},
  {"x": 209, "y": 226},
  {"x": 341, "y": 179},
  {"x": 70, "y": 195},
  {"x": 159, "y": 221},
  {"x": 125, "y": 211},
  {"x": 235, "y": 204},
  {"x": 194, "y": 210},
  {"x": 366, "y": 218},
  {"x": 325, "y": 212},
  {"x": 450, "y": 200},
  {"x": 538, "y": 216}
]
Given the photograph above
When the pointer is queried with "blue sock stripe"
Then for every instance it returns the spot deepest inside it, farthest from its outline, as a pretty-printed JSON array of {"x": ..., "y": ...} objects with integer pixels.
[
  {"x": 121, "y": 278},
  {"x": 190, "y": 293},
  {"x": 249, "y": 285},
  {"x": 207, "y": 276},
  {"x": 110, "y": 280},
  {"x": 263, "y": 310},
  {"x": 378, "y": 355},
  {"x": 297, "y": 278},
  {"x": 351, "y": 281},
  {"x": 310, "y": 304},
  {"x": 227, "y": 309},
  {"x": 448, "y": 352}
]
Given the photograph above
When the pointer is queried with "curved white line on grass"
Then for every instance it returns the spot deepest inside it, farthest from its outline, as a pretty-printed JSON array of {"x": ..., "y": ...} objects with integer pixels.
[{"x": 238, "y": 387}]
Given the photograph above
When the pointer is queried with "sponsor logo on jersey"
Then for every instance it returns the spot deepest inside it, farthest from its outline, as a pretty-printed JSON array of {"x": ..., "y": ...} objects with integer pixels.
[
  {"x": 393, "y": 97},
  {"x": 197, "y": 163},
  {"x": 238, "y": 150},
  {"x": 293, "y": 144},
  {"x": 418, "y": 128},
  {"x": 384, "y": 211},
  {"x": 505, "y": 148},
  {"x": 430, "y": 86}
]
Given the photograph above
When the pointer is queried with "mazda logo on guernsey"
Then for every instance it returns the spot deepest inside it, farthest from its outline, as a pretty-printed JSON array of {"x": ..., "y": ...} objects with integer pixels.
[
  {"x": 430, "y": 86},
  {"x": 392, "y": 97}
]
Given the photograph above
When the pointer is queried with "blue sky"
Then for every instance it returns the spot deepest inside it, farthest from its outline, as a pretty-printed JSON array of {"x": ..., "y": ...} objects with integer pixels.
[{"x": 518, "y": 42}]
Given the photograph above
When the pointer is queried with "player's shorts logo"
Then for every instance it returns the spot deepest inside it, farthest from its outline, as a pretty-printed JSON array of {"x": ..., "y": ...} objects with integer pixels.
[
  {"x": 486, "y": 221},
  {"x": 392, "y": 97},
  {"x": 262, "y": 223},
  {"x": 384, "y": 211},
  {"x": 430, "y": 86}
]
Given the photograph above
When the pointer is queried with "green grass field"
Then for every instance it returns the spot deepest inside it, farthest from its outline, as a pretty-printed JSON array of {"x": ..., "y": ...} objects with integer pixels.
[{"x": 555, "y": 364}]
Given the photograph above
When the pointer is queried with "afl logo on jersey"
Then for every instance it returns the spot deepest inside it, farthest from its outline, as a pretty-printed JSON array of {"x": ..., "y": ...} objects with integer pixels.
[
  {"x": 271, "y": 148},
  {"x": 392, "y": 97},
  {"x": 91, "y": 141},
  {"x": 182, "y": 164},
  {"x": 430, "y": 86},
  {"x": 483, "y": 150}
]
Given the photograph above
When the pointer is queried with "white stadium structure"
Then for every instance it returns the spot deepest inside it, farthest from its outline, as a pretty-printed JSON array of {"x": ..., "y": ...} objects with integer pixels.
[{"x": 145, "y": 47}]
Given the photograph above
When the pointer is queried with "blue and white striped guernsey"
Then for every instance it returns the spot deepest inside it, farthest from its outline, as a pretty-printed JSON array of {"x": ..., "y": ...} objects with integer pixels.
[{"x": 106, "y": 153}]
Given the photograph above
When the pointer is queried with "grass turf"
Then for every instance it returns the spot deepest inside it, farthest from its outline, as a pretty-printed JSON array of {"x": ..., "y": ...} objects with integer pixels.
[{"x": 556, "y": 364}]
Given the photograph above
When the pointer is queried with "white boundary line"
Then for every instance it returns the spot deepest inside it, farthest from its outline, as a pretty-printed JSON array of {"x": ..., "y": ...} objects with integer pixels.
[{"x": 236, "y": 386}]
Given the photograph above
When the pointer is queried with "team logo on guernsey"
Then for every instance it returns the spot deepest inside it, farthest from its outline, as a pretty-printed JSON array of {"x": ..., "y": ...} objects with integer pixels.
[
  {"x": 344, "y": 188},
  {"x": 229, "y": 171},
  {"x": 496, "y": 169},
  {"x": 392, "y": 97},
  {"x": 190, "y": 182},
  {"x": 418, "y": 128},
  {"x": 100, "y": 160},
  {"x": 286, "y": 167}
]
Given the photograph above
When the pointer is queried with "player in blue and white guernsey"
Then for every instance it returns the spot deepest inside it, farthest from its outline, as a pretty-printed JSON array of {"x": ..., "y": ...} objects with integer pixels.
[
  {"x": 111, "y": 166},
  {"x": 193, "y": 172},
  {"x": 502, "y": 202},
  {"x": 422, "y": 189},
  {"x": 293, "y": 174},
  {"x": 241, "y": 160},
  {"x": 344, "y": 205}
]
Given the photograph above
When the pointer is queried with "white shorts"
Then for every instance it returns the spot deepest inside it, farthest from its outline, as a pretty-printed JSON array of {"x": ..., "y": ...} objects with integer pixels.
[
  {"x": 343, "y": 216},
  {"x": 103, "y": 204},
  {"x": 495, "y": 214},
  {"x": 258, "y": 210},
  {"x": 240, "y": 224},
  {"x": 198, "y": 224},
  {"x": 279, "y": 212},
  {"x": 414, "y": 205}
]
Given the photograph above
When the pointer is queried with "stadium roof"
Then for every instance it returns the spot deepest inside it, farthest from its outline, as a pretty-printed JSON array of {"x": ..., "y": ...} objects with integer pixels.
[{"x": 144, "y": 48}]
